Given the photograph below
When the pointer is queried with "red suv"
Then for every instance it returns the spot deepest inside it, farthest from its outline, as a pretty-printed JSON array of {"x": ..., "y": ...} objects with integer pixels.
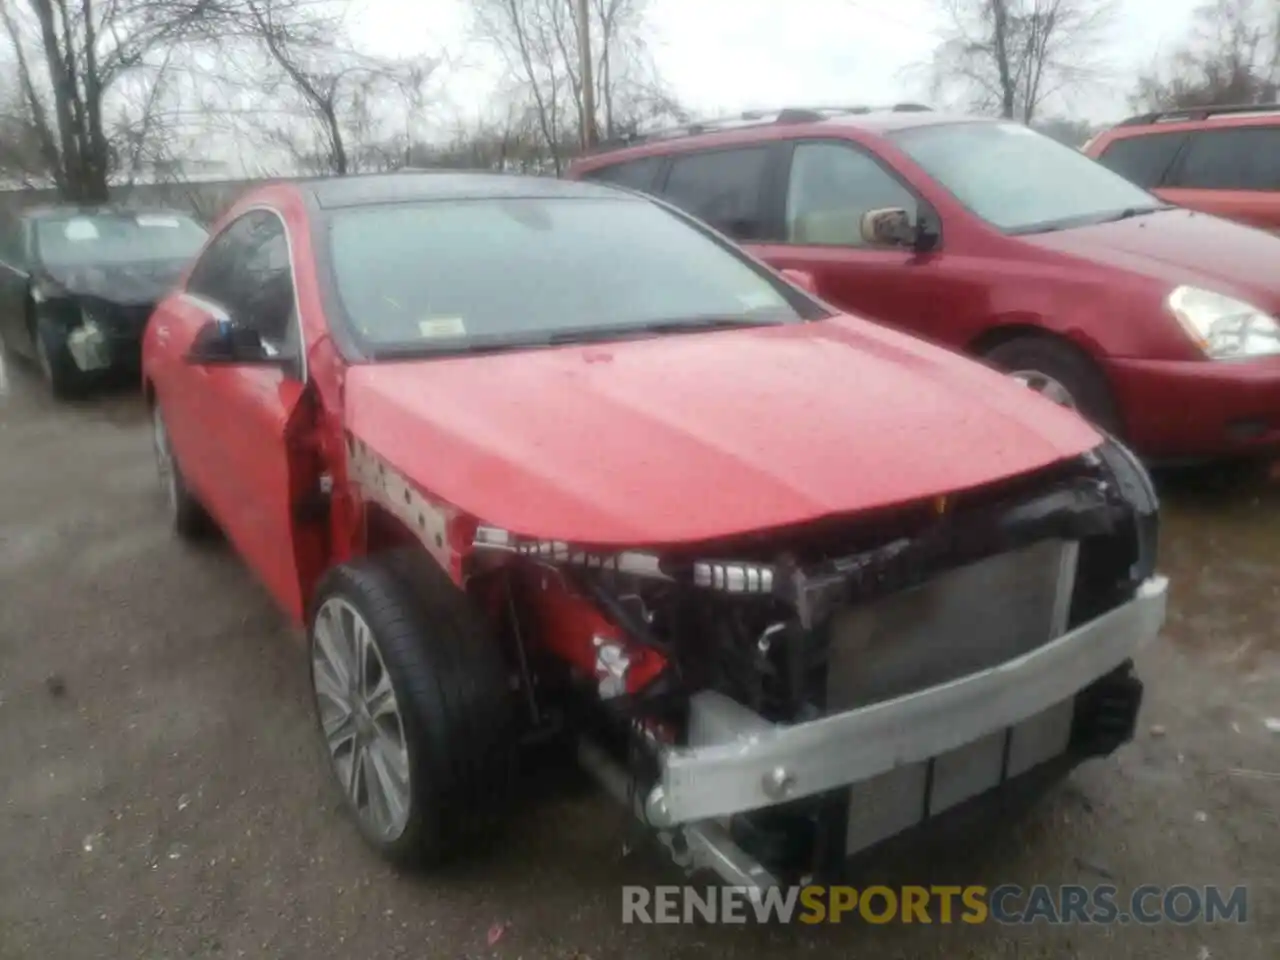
[
  {"x": 1156, "y": 322},
  {"x": 1221, "y": 160}
]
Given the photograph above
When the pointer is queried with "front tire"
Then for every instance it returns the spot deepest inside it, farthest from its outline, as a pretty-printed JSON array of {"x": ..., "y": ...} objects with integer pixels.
[
  {"x": 187, "y": 515},
  {"x": 65, "y": 380},
  {"x": 1061, "y": 372},
  {"x": 412, "y": 704}
]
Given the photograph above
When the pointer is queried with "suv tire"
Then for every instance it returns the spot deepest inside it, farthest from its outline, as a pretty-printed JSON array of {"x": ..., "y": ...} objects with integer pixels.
[{"x": 1064, "y": 366}]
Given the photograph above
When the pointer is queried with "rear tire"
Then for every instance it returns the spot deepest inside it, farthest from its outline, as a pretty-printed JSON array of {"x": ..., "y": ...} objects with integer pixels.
[
  {"x": 451, "y": 733},
  {"x": 1048, "y": 365},
  {"x": 187, "y": 515}
]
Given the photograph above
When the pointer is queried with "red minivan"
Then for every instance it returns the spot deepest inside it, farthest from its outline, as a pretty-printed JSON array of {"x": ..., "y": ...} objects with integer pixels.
[
  {"x": 1223, "y": 160},
  {"x": 1158, "y": 323}
]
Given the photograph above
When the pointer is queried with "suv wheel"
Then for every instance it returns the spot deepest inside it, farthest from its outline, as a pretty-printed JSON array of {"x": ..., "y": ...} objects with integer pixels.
[{"x": 1061, "y": 373}]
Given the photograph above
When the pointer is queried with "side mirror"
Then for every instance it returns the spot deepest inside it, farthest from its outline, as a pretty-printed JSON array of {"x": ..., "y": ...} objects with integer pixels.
[
  {"x": 802, "y": 279},
  {"x": 223, "y": 342},
  {"x": 888, "y": 227}
]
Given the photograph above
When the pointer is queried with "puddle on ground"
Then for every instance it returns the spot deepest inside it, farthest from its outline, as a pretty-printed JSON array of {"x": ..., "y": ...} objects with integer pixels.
[{"x": 1221, "y": 550}]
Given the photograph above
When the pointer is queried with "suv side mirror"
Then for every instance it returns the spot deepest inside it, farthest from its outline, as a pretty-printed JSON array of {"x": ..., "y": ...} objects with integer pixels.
[
  {"x": 888, "y": 227},
  {"x": 225, "y": 342}
]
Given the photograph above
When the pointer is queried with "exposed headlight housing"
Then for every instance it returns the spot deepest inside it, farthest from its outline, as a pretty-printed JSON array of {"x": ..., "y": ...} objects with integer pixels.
[
  {"x": 720, "y": 576},
  {"x": 1223, "y": 327},
  {"x": 1134, "y": 484}
]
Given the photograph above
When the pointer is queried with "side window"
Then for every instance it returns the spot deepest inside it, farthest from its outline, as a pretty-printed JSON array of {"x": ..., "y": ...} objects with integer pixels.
[
  {"x": 11, "y": 247},
  {"x": 246, "y": 269},
  {"x": 1144, "y": 160},
  {"x": 266, "y": 303},
  {"x": 216, "y": 275},
  {"x": 831, "y": 186},
  {"x": 723, "y": 187},
  {"x": 635, "y": 174},
  {"x": 1243, "y": 158}
]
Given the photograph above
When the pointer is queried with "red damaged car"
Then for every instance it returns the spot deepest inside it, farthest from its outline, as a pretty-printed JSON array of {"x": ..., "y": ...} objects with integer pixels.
[{"x": 530, "y": 458}]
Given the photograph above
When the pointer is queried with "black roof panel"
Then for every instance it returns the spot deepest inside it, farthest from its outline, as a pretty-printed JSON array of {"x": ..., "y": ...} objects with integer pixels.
[{"x": 409, "y": 186}]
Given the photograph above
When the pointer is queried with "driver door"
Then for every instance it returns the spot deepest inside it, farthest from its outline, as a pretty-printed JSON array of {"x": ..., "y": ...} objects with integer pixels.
[
  {"x": 830, "y": 184},
  {"x": 246, "y": 422}
]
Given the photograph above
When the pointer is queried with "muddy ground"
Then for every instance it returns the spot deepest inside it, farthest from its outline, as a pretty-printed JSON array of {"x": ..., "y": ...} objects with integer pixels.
[{"x": 162, "y": 794}]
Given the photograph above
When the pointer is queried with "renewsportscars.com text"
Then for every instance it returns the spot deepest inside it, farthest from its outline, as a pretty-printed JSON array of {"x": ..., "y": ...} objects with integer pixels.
[{"x": 1006, "y": 904}]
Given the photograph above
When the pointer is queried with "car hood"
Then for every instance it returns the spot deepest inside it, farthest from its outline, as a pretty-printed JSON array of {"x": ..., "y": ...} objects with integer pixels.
[
  {"x": 128, "y": 284},
  {"x": 1180, "y": 246},
  {"x": 696, "y": 437}
]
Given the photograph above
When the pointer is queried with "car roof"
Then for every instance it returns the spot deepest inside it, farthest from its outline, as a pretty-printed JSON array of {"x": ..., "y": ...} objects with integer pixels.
[
  {"x": 409, "y": 186},
  {"x": 887, "y": 121},
  {"x": 1196, "y": 118},
  {"x": 786, "y": 124}
]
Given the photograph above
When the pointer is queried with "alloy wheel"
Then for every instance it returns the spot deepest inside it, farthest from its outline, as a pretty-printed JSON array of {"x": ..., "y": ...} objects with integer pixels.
[
  {"x": 1046, "y": 386},
  {"x": 164, "y": 460},
  {"x": 360, "y": 718}
]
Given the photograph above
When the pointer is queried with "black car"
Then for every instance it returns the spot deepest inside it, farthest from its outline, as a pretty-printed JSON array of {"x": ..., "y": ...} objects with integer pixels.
[{"x": 77, "y": 285}]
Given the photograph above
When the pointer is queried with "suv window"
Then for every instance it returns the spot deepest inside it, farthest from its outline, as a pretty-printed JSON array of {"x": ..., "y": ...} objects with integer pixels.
[
  {"x": 831, "y": 186},
  {"x": 723, "y": 187},
  {"x": 1243, "y": 158},
  {"x": 246, "y": 269},
  {"x": 11, "y": 247},
  {"x": 634, "y": 174},
  {"x": 1143, "y": 159}
]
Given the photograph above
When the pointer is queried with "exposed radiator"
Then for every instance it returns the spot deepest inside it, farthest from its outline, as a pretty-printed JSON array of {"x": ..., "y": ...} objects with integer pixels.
[{"x": 962, "y": 621}]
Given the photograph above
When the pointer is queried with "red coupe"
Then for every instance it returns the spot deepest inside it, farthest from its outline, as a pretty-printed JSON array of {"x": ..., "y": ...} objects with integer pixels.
[{"x": 533, "y": 459}]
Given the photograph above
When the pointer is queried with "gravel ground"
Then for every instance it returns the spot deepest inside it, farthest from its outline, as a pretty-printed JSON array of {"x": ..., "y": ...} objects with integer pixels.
[{"x": 163, "y": 794}]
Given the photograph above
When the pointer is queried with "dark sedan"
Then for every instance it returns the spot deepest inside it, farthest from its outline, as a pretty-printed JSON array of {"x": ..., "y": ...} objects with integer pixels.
[{"x": 78, "y": 284}]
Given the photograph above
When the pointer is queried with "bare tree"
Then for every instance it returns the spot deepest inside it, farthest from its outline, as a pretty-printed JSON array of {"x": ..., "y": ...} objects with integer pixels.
[
  {"x": 22, "y": 160},
  {"x": 1232, "y": 55},
  {"x": 1072, "y": 132},
  {"x": 509, "y": 143},
  {"x": 328, "y": 101},
  {"x": 541, "y": 44},
  {"x": 71, "y": 54},
  {"x": 1011, "y": 56}
]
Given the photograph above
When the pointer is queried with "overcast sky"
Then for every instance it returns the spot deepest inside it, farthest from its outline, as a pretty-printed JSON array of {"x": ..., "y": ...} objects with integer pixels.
[{"x": 729, "y": 55}]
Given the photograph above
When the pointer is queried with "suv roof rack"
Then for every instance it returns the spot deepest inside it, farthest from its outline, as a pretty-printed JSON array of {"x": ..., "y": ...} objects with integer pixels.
[
  {"x": 756, "y": 118},
  {"x": 1199, "y": 113}
]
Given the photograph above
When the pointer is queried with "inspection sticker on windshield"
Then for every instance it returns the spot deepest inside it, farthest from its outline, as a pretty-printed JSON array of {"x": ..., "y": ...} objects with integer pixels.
[
  {"x": 151, "y": 220},
  {"x": 442, "y": 327},
  {"x": 80, "y": 230}
]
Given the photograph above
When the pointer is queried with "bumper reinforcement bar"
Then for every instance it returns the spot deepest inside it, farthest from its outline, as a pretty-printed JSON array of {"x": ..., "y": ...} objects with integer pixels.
[{"x": 769, "y": 764}]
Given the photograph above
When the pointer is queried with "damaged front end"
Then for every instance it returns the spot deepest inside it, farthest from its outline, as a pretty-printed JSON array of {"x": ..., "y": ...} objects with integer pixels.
[
  {"x": 99, "y": 334},
  {"x": 775, "y": 713},
  {"x": 99, "y": 314}
]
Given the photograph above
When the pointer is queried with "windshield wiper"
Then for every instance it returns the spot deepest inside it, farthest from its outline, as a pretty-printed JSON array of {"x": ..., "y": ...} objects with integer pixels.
[
  {"x": 1128, "y": 213},
  {"x": 658, "y": 327},
  {"x": 1071, "y": 223},
  {"x": 515, "y": 342}
]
